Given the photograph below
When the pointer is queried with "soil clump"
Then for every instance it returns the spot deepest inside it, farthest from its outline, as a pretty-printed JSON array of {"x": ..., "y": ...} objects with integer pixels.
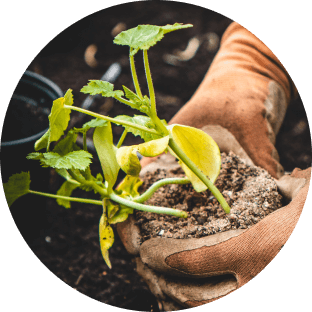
[{"x": 250, "y": 191}]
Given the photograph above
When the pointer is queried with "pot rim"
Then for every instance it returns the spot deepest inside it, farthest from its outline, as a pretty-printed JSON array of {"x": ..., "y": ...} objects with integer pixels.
[{"x": 44, "y": 84}]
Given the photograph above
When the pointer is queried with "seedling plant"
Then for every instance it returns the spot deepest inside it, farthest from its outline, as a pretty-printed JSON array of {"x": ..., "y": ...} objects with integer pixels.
[{"x": 198, "y": 154}]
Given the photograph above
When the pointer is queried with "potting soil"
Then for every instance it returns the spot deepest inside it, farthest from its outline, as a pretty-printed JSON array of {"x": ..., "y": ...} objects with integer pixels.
[{"x": 250, "y": 191}]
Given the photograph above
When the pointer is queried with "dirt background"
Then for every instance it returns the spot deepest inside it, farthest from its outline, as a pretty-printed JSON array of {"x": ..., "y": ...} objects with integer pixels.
[{"x": 66, "y": 241}]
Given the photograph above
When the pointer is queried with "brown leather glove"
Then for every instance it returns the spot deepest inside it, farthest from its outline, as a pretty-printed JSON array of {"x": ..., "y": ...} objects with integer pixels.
[
  {"x": 246, "y": 90},
  {"x": 185, "y": 273}
]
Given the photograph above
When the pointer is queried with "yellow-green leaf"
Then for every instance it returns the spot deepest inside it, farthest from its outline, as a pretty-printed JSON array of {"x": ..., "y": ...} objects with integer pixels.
[
  {"x": 201, "y": 149},
  {"x": 121, "y": 215},
  {"x": 111, "y": 208},
  {"x": 127, "y": 155},
  {"x": 66, "y": 190},
  {"x": 58, "y": 121},
  {"x": 154, "y": 148},
  {"x": 128, "y": 160},
  {"x": 106, "y": 236},
  {"x": 103, "y": 142},
  {"x": 59, "y": 117}
]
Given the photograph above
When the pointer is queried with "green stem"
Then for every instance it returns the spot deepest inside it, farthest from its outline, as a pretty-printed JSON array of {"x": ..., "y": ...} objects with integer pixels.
[
  {"x": 147, "y": 208},
  {"x": 134, "y": 76},
  {"x": 122, "y": 138},
  {"x": 85, "y": 141},
  {"x": 74, "y": 199},
  {"x": 188, "y": 162},
  {"x": 113, "y": 120},
  {"x": 159, "y": 125},
  {"x": 149, "y": 83},
  {"x": 91, "y": 183},
  {"x": 149, "y": 193},
  {"x": 124, "y": 101}
]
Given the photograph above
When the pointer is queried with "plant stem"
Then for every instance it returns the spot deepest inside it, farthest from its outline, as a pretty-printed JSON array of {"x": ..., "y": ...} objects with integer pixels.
[
  {"x": 122, "y": 138},
  {"x": 113, "y": 120},
  {"x": 159, "y": 125},
  {"x": 149, "y": 193},
  {"x": 91, "y": 183},
  {"x": 147, "y": 208},
  {"x": 134, "y": 76},
  {"x": 85, "y": 141},
  {"x": 188, "y": 162},
  {"x": 80, "y": 200},
  {"x": 149, "y": 83}
]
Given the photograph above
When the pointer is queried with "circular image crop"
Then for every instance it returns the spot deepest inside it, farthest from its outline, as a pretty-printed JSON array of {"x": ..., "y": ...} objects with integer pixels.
[{"x": 155, "y": 156}]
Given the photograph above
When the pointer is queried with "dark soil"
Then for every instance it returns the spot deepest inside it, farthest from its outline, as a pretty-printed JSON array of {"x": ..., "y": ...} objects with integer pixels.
[
  {"x": 66, "y": 240},
  {"x": 250, "y": 191}
]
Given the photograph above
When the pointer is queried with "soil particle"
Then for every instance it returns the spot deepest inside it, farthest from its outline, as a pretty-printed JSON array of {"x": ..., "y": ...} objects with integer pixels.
[{"x": 250, "y": 191}]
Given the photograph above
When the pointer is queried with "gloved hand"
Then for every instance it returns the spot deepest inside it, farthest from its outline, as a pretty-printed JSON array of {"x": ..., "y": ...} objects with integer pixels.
[
  {"x": 217, "y": 264},
  {"x": 246, "y": 90},
  {"x": 241, "y": 103}
]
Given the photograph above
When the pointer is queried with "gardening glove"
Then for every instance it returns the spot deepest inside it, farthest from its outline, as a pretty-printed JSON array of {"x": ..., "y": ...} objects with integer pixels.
[
  {"x": 184, "y": 273},
  {"x": 246, "y": 90}
]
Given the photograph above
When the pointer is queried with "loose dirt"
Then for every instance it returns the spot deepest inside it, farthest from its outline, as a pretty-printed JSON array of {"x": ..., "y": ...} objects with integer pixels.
[{"x": 250, "y": 191}]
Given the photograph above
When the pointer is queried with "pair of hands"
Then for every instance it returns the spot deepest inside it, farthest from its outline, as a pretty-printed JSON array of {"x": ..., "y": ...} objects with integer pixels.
[{"x": 241, "y": 103}]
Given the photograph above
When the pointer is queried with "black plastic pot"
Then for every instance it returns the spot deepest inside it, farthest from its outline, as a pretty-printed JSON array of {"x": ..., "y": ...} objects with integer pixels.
[{"x": 26, "y": 121}]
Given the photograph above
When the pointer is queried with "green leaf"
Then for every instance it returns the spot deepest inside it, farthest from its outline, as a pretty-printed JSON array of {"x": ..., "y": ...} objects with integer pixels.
[
  {"x": 67, "y": 145},
  {"x": 65, "y": 190},
  {"x": 201, "y": 149},
  {"x": 43, "y": 141},
  {"x": 103, "y": 142},
  {"x": 106, "y": 236},
  {"x": 73, "y": 160},
  {"x": 17, "y": 186},
  {"x": 99, "y": 177},
  {"x": 35, "y": 156},
  {"x": 143, "y": 37},
  {"x": 104, "y": 88},
  {"x": 64, "y": 173},
  {"x": 142, "y": 121},
  {"x": 143, "y": 105},
  {"x": 95, "y": 122}
]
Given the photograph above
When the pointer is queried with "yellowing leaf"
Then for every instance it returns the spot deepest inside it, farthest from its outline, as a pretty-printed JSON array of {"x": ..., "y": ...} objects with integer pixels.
[
  {"x": 121, "y": 215},
  {"x": 58, "y": 121},
  {"x": 129, "y": 187},
  {"x": 201, "y": 149},
  {"x": 59, "y": 117},
  {"x": 106, "y": 236},
  {"x": 128, "y": 160},
  {"x": 154, "y": 148},
  {"x": 127, "y": 155}
]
